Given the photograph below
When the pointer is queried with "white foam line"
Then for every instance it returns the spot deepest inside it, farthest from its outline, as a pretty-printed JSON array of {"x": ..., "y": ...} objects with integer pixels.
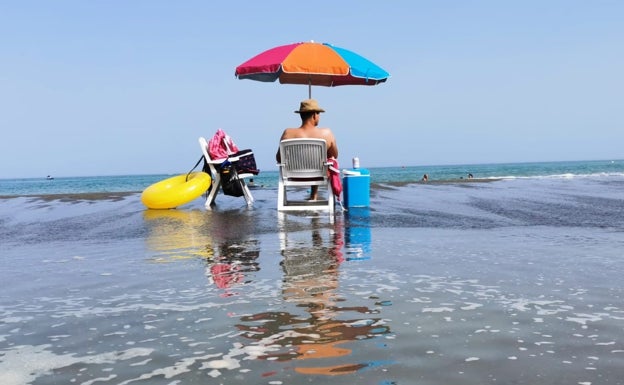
[
  {"x": 182, "y": 366},
  {"x": 437, "y": 309},
  {"x": 99, "y": 379},
  {"x": 25, "y": 363}
]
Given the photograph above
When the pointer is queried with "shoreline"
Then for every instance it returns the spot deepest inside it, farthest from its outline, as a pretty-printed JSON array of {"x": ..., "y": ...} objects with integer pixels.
[
  {"x": 460, "y": 180},
  {"x": 72, "y": 197},
  {"x": 119, "y": 195}
]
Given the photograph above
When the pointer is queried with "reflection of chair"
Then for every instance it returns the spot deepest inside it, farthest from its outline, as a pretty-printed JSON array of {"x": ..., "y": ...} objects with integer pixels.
[
  {"x": 304, "y": 163},
  {"x": 214, "y": 165}
]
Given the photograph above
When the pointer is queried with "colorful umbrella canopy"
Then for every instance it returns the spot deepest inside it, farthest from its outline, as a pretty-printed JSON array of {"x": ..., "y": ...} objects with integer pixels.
[{"x": 318, "y": 64}]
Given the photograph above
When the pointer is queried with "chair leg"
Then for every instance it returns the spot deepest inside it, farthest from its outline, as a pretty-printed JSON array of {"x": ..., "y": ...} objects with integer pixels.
[
  {"x": 330, "y": 200},
  {"x": 214, "y": 190},
  {"x": 281, "y": 196},
  {"x": 248, "y": 197},
  {"x": 332, "y": 204}
]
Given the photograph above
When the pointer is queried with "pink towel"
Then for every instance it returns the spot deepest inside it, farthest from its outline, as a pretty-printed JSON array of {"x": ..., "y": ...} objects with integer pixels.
[
  {"x": 334, "y": 177},
  {"x": 225, "y": 275}
]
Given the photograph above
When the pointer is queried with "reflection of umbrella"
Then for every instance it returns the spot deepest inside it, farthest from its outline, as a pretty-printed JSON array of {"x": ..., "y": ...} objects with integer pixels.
[{"x": 312, "y": 64}]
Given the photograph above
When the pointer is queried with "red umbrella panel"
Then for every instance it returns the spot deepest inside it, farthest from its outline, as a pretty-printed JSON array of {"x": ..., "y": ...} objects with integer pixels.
[{"x": 318, "y": 64}]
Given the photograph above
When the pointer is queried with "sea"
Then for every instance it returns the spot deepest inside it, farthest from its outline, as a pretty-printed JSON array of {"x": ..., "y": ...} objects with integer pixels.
[
  {"x": 133, "y": 183},
  {"x": 511, "y": 276}
]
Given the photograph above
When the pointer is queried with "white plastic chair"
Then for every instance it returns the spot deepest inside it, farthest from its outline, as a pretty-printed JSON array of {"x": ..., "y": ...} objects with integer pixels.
[
  {"x": 214, "y": 164},
  {"x": 304, "y": 163}
]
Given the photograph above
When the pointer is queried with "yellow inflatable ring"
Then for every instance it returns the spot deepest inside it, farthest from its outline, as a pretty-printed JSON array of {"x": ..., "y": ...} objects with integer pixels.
[{"x": 176, "y": 191}]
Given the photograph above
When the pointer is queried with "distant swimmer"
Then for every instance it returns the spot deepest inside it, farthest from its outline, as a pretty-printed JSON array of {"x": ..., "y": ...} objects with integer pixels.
[
  {"x": 470, "y": 176},
  {"x": 425, "y": 178},
  {"x": 252, "y": 184}
]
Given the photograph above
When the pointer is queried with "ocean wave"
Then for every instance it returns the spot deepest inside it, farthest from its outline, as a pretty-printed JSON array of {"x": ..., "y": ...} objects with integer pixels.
[{"x": 562, "y": 176}]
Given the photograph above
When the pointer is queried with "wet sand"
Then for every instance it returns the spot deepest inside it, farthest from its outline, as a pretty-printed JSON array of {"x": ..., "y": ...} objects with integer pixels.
[{"x": 112, "y": 196}]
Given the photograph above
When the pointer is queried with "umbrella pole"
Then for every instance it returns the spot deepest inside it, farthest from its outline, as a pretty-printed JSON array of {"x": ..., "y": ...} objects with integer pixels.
[{"x": 309, "y": 87}]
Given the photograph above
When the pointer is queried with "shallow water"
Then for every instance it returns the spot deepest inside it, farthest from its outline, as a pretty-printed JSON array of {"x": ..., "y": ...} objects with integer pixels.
[{"x": 503, "y": 282}]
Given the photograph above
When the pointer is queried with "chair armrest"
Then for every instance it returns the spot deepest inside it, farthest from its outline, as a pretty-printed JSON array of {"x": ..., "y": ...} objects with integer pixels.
[
  {"x": 217, "y": 161},
  {"x": 239, "y": 155}
]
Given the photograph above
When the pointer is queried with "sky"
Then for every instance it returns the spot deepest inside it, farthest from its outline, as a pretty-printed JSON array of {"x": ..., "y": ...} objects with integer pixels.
[{"x": 116, "y": 87}]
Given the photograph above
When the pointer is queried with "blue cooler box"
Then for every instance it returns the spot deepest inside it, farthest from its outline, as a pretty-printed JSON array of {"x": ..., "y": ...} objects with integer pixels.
[{"x": 356, "y": 188}]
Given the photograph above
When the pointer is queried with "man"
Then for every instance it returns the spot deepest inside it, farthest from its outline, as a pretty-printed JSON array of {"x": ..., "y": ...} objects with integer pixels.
[{"x": 310, "y": 113}]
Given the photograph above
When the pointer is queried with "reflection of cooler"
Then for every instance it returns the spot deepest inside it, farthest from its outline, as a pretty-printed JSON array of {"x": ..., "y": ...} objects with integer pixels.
[
  {"x": 358, "y": 234},
  {"x": 356, "y": 187}
]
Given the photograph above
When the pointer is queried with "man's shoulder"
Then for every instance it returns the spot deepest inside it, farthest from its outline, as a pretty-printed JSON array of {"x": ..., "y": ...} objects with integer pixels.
[
  {"x": 317, "y": 132},
  {"x": 325, "y": 133},
  {"x": 291, "y": 133}
]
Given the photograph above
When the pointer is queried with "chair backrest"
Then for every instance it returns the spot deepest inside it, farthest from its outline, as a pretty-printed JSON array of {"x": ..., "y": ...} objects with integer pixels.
[
  {"x": 303, "y": 158},
  {"x": 203, "y": 144}
]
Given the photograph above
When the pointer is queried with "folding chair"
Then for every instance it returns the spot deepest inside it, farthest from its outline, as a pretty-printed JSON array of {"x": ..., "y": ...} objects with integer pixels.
[
  {"x": 304, "y": 163},
  {"x": 215, "y": 168}
]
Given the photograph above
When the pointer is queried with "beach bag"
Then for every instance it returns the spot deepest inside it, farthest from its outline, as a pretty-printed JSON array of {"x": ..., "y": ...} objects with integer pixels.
[
  {"x": 230, "y": 183},
  {"x": 246, "y": 163}
]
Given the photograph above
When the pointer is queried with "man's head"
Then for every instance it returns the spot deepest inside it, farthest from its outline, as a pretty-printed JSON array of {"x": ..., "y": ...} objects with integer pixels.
[
  {"x": 309, "y": 105},
  {"x": 308, "y": 108}
]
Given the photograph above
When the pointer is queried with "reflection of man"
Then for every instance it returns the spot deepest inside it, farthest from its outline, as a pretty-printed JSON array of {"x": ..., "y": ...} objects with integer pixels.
[
  {"x": 311, "y": 278},
  {"x": 310, "y": 113},
  {"x": 311, "y": 272},
  {"x": 330, "y": 327}
]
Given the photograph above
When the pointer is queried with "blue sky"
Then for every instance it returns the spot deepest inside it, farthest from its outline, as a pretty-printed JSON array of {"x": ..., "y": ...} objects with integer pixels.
[{"x": 126, "y": 87}]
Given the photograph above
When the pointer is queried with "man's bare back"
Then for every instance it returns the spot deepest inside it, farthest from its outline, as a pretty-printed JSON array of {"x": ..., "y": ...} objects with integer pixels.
[
  {"x": 313, "y": 132},
  {"x": 310, "y": 117}
]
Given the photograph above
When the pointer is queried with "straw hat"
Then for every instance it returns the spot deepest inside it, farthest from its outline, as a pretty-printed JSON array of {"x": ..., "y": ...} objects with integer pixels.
[{"x": 309, "y": 105}]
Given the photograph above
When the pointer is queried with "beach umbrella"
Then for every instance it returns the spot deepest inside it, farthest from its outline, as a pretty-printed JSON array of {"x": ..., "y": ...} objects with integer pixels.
[{"x": 314, "y": 64}]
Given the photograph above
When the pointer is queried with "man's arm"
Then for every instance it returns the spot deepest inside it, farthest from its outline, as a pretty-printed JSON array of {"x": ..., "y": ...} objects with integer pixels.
[
  {"x": 332, "y": 147},
  {"x": 277, "y": 155}
]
